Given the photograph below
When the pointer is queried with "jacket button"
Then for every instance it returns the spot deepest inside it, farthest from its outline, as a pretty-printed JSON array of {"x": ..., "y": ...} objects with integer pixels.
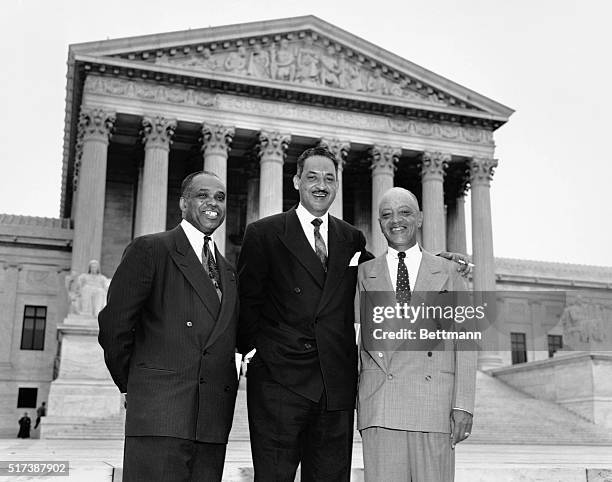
[
  {"x": 227, "y": 388},
  {"x": 202, "y": 380},
  {"x": 205, "y": 352},
  {"x": 428, "y": 353},
  {"x": 428, "y": 377},
  {"x": 380, "y": 355},
  {"x": 297, "y": 290},
  {"x": 189, "y": 323},
  {"x": 308, "y": 346},
  {"x": 390, "y": 376}
]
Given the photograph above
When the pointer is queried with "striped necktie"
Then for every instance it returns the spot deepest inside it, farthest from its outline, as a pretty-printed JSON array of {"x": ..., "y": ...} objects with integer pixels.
[
  {"x": 208, "y": 261},
  {"x": 320, "y": 248}
]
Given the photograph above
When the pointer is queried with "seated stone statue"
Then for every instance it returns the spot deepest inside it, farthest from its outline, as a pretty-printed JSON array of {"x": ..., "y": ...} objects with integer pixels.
[{"x": 87, "y": 291}]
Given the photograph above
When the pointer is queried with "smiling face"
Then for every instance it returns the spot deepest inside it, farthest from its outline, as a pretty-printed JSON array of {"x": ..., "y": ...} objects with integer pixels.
[
  {"x": 317, "y": 184},
  {"x": 400, "y": 218},
  {"x": 203, "y": 203}
]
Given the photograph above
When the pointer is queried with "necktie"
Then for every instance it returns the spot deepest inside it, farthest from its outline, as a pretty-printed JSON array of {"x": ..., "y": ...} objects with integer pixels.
[
  {"x": 208, "y": 261},
  {"x": 402, "y": 287},
  {"x": 320, "y": 248}
]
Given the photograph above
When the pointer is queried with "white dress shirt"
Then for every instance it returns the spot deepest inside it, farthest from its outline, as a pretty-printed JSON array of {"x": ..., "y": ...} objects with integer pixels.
[
  {"x": 196, "y": 239},
  {"x": 306, "y": 221},
  {"x": 412, "y": 261}
]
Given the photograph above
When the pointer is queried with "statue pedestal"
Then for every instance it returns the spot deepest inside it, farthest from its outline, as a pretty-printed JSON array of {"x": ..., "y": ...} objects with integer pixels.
[
  {"x": 580, "y": 381},
  {"x": 83, "y": 390}
]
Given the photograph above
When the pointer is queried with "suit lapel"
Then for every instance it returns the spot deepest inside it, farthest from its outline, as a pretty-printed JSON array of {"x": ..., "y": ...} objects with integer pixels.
[
  {"x": 296, "y": 242},
  {"x": 377, "y": 279},
  {"x": 228, "y": 299},
  {"x": 189, "y": 264},
  {"x": 338, "y": 257}
]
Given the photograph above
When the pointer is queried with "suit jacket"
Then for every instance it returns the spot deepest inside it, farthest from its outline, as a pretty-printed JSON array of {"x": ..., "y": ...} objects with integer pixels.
[
  {"x": 299, "y": 318},
  {"x": 168, "y": 341},
  {"x": 414, "y": 390}
]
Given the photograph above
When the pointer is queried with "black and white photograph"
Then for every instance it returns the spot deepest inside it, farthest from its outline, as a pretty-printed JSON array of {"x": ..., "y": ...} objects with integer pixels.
[{"x": 281, "y": 241}]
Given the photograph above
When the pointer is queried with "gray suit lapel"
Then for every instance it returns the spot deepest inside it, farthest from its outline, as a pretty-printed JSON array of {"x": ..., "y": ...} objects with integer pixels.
[{"x": 377, "y": 279}]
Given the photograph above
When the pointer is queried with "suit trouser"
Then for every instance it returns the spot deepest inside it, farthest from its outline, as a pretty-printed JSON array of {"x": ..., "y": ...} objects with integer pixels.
[
  {"x": 169, "y": 459},
  {"x": 403, "y": 456},
  {"x": 287, "y": 429}
]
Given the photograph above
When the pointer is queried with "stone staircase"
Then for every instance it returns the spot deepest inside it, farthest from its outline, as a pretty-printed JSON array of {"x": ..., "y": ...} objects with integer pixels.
[{"x": 503, "y": 415}]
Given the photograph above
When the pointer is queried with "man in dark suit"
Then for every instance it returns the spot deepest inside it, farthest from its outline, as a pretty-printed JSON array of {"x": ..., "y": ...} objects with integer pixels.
[
  {"x": 169, "y": 336},
  {"x": 298, "y": 272}
]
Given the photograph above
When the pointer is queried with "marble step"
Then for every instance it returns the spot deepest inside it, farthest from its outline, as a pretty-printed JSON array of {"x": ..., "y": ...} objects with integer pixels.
[{"x": 503, "y": 415}]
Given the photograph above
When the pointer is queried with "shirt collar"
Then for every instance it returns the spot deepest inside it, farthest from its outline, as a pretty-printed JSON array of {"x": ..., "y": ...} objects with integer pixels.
[
  {"x": 411, "y": 253},
  {"x": 196, "y": 237},
  {"x": 306, "y": 218}
]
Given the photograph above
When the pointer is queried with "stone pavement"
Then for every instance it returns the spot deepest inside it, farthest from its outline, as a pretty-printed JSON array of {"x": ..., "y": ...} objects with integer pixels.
[
  {"x": 100, "y": 460},
  {"x": 515, "y": 438}
]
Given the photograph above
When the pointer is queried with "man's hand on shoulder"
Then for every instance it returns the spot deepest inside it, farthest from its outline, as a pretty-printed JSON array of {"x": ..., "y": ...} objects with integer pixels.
[
  {"x": 463, "y": 260},
  {"x": 461, "y": 426}
]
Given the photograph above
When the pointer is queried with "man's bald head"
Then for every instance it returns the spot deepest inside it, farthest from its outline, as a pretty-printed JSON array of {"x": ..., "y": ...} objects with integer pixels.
[
  {"x": 399, "y": 193},
  {"x": 399, "y": 217}
]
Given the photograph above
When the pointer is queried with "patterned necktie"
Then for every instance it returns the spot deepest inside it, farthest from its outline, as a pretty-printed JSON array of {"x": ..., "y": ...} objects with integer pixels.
[
  {"x": 320, "y": 248},
  {"x": 208, "y": 261},
  {"x": 402, "y": 287}
]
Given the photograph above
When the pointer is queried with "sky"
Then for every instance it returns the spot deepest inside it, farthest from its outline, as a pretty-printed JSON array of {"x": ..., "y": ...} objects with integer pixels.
[{"x": 548, "y": 60}]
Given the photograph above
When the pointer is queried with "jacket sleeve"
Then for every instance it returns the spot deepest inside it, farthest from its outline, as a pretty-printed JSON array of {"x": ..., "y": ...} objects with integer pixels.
[
  {"x": 466, "y": 359},
  {"x": 252, "y": 274},
  {"x": 127, "y": 294}
]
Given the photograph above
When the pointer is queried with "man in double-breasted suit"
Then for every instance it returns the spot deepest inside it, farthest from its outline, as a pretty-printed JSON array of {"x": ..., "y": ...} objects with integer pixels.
[
  {"x": 413, "y": 405},
  {"x": 169, "y": 337},
  {"x": 298, "y": 272}
]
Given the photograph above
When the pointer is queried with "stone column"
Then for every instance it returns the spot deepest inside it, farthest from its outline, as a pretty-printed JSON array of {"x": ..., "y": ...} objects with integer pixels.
[
  {"x": 138, "y": 212},
  {"x": 157, "y": 135},
  {"x": 433, "y": 167},
  {"x": 456, "y": 238},
  {"x": 252, "y": 208},
  {"x": 481, "y": 174},
  {"x": 384, "y": 160},
  {"x": 95, "y": 128},
  {"x": 216, "y": 144},
  {"x": 271, "y": 150},
  {"x": 340, "y": 149}
]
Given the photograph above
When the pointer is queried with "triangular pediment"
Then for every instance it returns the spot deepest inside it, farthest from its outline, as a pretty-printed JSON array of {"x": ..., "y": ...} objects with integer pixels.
[{"x": 304, "y": 54}]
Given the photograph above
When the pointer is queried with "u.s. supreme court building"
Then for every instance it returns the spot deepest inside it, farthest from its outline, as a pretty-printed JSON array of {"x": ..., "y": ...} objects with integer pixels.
[{"x": 244, "y": 101}]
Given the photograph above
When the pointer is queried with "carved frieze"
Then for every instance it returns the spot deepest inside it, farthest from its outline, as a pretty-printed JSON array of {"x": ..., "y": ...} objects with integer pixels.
[
  {"x": 306, "y": 59},
  {"x": 160, "y": 94}
]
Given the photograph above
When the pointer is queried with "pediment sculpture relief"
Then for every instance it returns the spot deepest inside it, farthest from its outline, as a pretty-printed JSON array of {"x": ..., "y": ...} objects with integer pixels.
[{"x": 304, "y": 61}]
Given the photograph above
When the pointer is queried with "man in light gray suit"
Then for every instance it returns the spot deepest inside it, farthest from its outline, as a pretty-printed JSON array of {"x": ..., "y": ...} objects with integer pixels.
[{"x": 413, "y": 406}]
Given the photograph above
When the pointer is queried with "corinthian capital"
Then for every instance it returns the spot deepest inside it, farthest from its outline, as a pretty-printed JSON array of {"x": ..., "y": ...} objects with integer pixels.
[
  {"x": 338, "y": 148},
  {"x": 383, "y": 159},
  {"x": 95, "y": 124},
  {"x": 433, "y": 165},
  {"x": 157, "y": 132},
  {"x": 481, "y": 170},
  {"x": 217, "y": 139},
  {"x": 272, "y": 146}
]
